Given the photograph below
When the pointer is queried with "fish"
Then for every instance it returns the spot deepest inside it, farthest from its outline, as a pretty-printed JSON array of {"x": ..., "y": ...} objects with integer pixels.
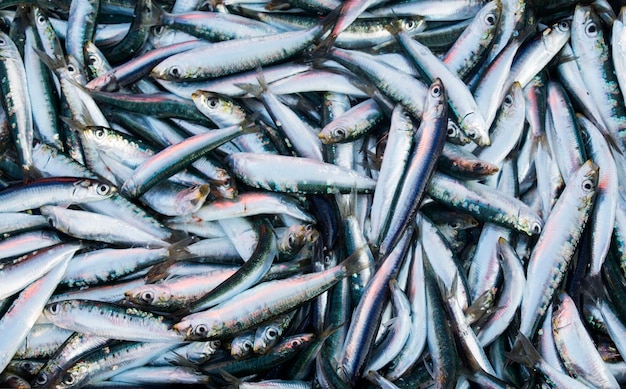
[{"x": 312, "y": 193}]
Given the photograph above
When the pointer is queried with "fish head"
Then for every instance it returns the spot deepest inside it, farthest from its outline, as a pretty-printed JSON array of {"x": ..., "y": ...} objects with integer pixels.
[
  {"x": 87, "y": 189},
  {"x": 195, "y": 329},
  {"x": 242, "y": 346},
  {"x": 473, "y": 125},
  {"x": 149, "y": 295},
  {"x": 266, "y": 338}
]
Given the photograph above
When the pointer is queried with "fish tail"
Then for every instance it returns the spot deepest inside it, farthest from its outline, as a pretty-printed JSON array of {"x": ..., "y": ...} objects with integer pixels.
[
  {"x": 355, "y": 263},
  {"x": 524, "y": 352},
  {"x": 175, "y": 252}
]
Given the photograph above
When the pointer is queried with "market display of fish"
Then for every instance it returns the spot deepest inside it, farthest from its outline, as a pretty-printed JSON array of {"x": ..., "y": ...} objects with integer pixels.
[{"x": 312, "y": 193}]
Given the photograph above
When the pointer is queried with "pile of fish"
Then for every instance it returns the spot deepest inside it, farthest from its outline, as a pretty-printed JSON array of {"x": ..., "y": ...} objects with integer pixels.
[{"x": 312, "y": 193}]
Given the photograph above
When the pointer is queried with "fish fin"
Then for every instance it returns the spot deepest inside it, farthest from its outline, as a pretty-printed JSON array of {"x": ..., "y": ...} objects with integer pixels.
[
  {"x": 523, "y": 352},
  {"x": 176, "y": 252},
  {"x": 277, "y": 5},
  {"x": 234, "y": 381},
  {"x": 30, "y": 173},
  {"x": 53, "y": 64},
  {"x": 329, "y": 331},
  {"x": 429, "y": 369},
  {"x": 328, "y": 23},
  {"x": 249, "y": 124},
  {"x": 481, "y": 306},
  {"x": 156, "y": 13},
  {"x": 354, "y": 263},
  {"x": 347, "y": 204},
  {"x": 254, "y": 90},
  {"x": 394, "y": 26},
  {"x": 594, "y": 289}
]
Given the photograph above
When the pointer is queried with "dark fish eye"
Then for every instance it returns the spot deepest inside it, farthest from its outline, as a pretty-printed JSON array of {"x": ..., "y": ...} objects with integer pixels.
[
  {"x": 41, "y": 19},
  {"x": 291, "y": 240},
  {"x": 536, "y": 229},
  {"x": 451, "y": 131},
  {"x": 2, "y": 41},
  {"x": 472, "y": 135},
  {"x": 247, "y": 345},
  {"x": 340, "y": 132},
  {"x": 592, "y": 29},
  {"x": 99, "y": 133},
  {"x": 158, "y": 30},
  {"x": 103, "y": 189},
  {"x": 409, "y": 25},
  {"x": 68, "y": 379},
  {"x": 564, "y": 25},
  {"x": 54, "y": 308},
  {"x": 174, "y": 71},
  {"x": 508, "y": 100},
  {"x": 147, "y": 296},
  {"x": 436, "y": 91},
  {"x": 41, "y": 379},
  {"x": 272, "y": 333},
  {"x": 93, "y": 59},
  {"x": 213, "y": 102},
  {"x": 201, "y": 329},
  {"x": 490, "y": 19},
  {"x": 71, "y": 68},
  {"x": 587, "y": 185}
]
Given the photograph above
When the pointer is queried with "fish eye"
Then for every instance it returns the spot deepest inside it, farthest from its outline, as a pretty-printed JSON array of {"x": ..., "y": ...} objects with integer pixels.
[
  {"x": 99, "y": 133},
  {"x": 591, "y": 29},
  {"x": 71, "y": 68},
  {"x": 327, "y": 260},
  {"x": 435, "y": 91},
  {"x": 451, "y": 131},
  {"x": 147, "y": 296},
  {"x": 271, "y": 333},
  {"x": 68, "y": 379},
  {"x": 340, "y": 132},
  {"x": 587, "y": 185},
  {"x": 247, "y": 345},
  {"x": 41, "y": 19},
  {"x": 508, "y": 100},
  {"x": 103, "y": 189},
  {"x": 174, "y": 71},
  {"x": 215, "y": 344},
  {"x": 536, "y": 228},
  {"x": 291, "y": 240},
  {"x": 2, "y": 41},
  {"x": 93, "y": 59},
  {"x": 472, "y": 135},
  {"x": 41, "y": 379},
  {"x": 409, "y": 25},
  {"x": 201, "y": 329},
  {"x": 564, "y": 25},
  {"x": 158, "y": 30},
  {"x": 213, "y": 102},
  {"x": 54, "y": 308},
  {"x": 296, "y": 343},
  {"x": 490, "y": 19}
]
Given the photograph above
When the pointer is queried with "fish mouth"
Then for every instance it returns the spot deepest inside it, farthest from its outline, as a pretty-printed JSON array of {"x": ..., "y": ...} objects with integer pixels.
[{"x": 183, "y": 329}]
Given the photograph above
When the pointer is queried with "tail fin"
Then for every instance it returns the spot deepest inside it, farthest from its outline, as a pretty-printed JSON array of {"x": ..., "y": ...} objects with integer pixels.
[
  {"x": 354, "y": 263},
  {"x": 524, "y": 352},
  {"x": 176, "y": 252}
]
